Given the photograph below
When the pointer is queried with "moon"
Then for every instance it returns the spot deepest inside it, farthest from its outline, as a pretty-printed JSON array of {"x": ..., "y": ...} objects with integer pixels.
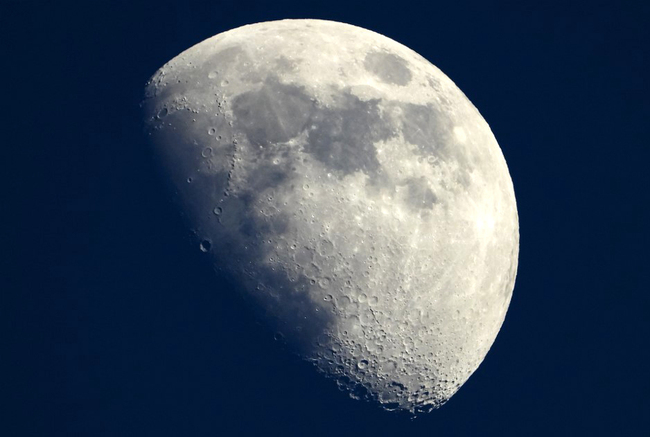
[{"x": 351, "y": 192}]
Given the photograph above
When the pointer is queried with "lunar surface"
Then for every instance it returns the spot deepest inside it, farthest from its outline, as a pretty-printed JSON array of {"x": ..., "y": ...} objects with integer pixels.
[{"x": 351, "y": 192}]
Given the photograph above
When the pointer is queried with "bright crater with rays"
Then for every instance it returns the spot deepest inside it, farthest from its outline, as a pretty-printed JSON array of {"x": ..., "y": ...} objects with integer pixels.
[{"x": 352, "y": 192}]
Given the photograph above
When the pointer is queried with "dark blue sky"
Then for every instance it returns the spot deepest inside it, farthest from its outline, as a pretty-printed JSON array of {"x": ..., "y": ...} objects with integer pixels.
[{"x": 112, "y": 324}]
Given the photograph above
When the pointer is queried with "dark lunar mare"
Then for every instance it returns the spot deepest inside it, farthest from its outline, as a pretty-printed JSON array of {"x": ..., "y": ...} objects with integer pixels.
[
  {"x": 341, "y": 137},
  {"x": 388, "y": 67}
]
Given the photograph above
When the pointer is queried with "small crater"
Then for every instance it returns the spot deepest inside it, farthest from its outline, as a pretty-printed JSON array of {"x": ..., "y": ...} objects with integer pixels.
[
  {"x": 325, "y": 248},
  {"x": 206, "y": 152},
  {"x": 205, "y": 246}
]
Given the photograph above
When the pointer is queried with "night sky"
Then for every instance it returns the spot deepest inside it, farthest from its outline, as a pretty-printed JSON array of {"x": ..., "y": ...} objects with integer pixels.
[{"x": 114, "y": 325}]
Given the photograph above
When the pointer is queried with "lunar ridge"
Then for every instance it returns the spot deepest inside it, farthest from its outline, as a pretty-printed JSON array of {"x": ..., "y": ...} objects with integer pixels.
[{"x": 352, "y": 192}]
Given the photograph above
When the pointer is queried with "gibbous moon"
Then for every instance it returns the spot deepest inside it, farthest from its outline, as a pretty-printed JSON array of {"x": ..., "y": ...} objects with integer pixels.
[{"x": 352, "y": 192}]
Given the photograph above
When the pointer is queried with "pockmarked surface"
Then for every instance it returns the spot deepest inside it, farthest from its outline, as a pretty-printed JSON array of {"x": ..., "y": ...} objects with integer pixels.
[{"x": 349, "y": 189}]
